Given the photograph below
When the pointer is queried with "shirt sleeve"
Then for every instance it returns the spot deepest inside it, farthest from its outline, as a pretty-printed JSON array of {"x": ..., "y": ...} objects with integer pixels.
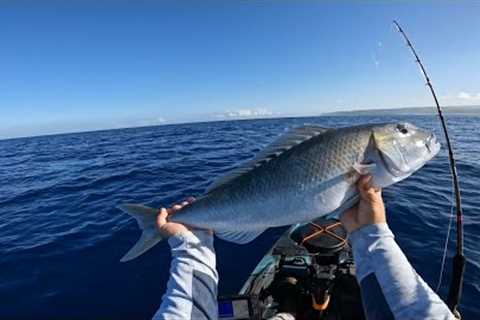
[
  {"x": 390, "y": 286},
  {"x": 192, "y": 288}
]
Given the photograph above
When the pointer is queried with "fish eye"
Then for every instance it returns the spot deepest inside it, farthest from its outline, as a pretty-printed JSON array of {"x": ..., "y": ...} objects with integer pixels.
[{"x": 402, "y": 129}]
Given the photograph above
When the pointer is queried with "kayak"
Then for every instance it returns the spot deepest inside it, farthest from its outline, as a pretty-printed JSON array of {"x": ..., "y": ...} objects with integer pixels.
[{"x": 308, "y": 272}]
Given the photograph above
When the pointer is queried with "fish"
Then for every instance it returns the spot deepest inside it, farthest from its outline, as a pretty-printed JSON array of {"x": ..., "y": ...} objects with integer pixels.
[{"x": 309, "y": 172}]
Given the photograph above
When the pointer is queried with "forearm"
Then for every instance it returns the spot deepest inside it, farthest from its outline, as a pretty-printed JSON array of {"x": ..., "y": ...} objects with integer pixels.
[
  {"x": 388, "y": 281},
  {"x": 192, "y": 287}
]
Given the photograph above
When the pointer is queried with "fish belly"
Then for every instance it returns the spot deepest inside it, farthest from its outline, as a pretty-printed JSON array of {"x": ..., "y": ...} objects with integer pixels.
[{"x": 262, "y": 212}]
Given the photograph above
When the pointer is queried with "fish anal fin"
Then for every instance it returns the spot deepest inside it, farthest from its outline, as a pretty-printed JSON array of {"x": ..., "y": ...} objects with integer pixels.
[{"x": 240, "y": 237}]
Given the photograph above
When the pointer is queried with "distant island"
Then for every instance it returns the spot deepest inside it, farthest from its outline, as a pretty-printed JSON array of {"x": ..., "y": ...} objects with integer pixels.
[{"x": 459, "y": 110}]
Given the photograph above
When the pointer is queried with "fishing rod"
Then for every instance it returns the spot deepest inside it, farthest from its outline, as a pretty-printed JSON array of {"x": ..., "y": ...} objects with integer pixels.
[{"x": 455, "y": 291}]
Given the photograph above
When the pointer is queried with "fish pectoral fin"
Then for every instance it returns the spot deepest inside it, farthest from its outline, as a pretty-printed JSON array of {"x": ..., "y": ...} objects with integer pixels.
[
  {"x": 364, "y": 168},
  {"x": 240, "y": 237}
]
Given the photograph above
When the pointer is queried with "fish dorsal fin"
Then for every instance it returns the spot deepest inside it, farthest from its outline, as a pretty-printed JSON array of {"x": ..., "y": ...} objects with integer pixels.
[{"x": 285, "y": 142}]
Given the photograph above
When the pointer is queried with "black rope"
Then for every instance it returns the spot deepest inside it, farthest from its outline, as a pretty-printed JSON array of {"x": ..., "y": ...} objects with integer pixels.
[{"x": 455, "y": 291}]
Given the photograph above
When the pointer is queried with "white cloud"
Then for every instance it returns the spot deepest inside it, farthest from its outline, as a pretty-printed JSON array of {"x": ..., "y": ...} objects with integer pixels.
[
  {"x": 462, "y": 98},
  {"x": 248, "y": 113},
  {"x": 469, "y": 96},
  {"x": 464, "y": 95}
]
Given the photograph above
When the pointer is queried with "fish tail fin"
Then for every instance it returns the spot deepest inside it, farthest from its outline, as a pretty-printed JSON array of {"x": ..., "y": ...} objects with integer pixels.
[{"x": 147, "y": 219}]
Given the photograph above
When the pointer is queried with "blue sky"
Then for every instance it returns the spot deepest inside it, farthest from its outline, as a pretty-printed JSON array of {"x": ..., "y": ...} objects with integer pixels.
[{"x": 79, "y": 65}]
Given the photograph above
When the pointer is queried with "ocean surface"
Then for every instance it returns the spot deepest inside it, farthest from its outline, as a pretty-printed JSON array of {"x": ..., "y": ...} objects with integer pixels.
[{"x": 61, "y": 235}]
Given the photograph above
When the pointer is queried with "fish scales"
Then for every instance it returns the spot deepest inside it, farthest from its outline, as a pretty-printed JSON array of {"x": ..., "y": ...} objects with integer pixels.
[{"x": 280, "y": 183}]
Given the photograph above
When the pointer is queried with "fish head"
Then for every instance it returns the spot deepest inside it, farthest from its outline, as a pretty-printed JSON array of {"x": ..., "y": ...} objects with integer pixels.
[{"x": 404, "y": 148}]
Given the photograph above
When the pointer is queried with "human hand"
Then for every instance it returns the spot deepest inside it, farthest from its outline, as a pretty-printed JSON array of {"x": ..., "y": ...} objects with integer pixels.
[
  {"x": 168, "y": 229},
  {"x": 369, "y": 210}
]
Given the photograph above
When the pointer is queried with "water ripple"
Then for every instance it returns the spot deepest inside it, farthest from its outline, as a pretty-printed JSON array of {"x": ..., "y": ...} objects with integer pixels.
[{"x": 62, "y": 235}]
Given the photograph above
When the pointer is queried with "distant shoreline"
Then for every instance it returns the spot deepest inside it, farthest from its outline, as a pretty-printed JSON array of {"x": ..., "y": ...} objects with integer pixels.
[
  {"x": 459, "y": 110},
  {"x": 411, "y": 111}
]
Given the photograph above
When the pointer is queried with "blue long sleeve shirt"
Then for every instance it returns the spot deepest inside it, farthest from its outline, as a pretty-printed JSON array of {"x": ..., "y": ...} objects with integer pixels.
[
  {"x": 192, "y": 288},
  {"x": 391, "y": 289}
]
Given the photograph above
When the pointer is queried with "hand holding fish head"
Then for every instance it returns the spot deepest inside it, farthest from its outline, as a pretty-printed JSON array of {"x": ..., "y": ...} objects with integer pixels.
[{"x": 369, "y": 210}]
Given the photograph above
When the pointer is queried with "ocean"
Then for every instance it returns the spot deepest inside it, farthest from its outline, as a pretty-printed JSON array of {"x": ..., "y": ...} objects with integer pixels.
[{"x": 62, "y": 236}]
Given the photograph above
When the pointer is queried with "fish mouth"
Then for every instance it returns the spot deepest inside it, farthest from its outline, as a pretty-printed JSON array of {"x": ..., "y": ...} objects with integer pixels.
[{"x": 432, "y": 145}]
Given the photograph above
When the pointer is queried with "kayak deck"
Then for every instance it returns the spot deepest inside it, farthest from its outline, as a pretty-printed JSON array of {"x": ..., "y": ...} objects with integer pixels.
[{"x": 309, "y": 271}]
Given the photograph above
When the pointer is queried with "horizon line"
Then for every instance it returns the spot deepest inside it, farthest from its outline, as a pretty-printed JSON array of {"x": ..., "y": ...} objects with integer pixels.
[{"x": 240, "y": 118}]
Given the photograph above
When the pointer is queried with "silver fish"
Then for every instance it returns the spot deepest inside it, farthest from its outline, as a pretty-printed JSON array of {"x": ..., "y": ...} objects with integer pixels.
[{"x": 308, "y": 173}]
